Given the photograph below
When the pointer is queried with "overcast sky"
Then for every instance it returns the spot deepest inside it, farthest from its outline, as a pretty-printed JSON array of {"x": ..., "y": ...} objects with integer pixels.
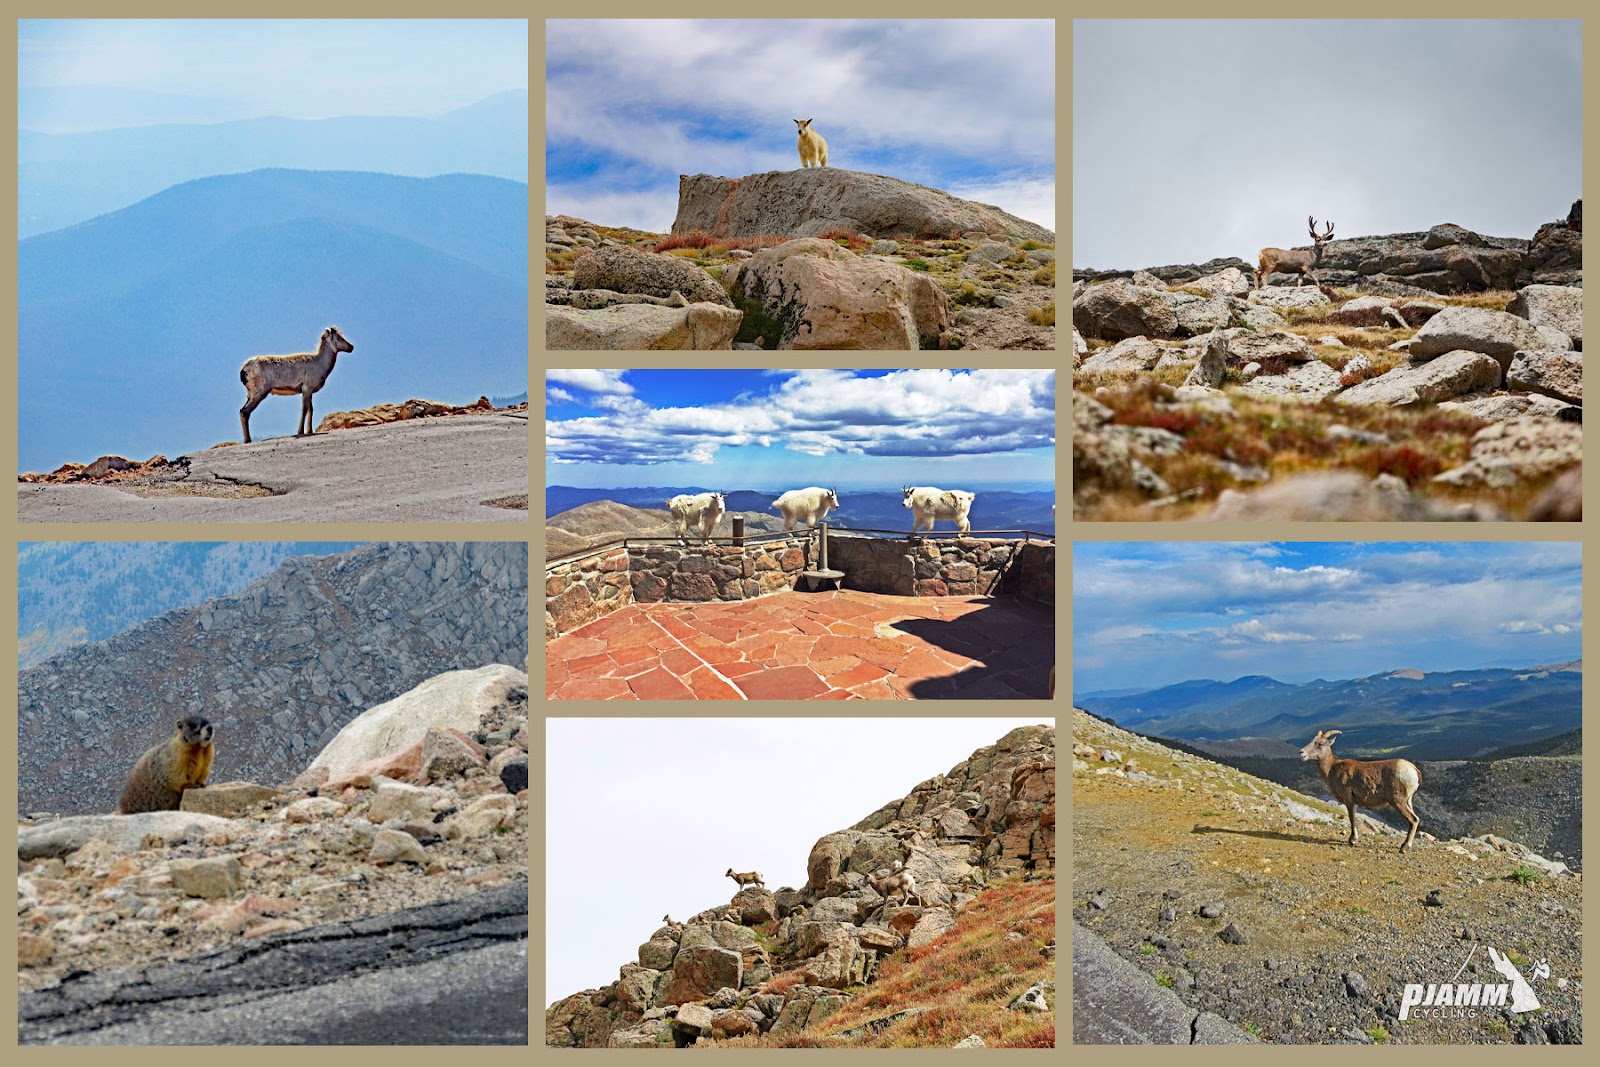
[
  {"x": 666, "y": 802},
  {"x": 1147, "y": 615},
  {"x": 769, "y": 429},
  {"x": 69, "y": 71},
  {"x": 967, "y": 106},
  {"x": 1196, "y": 139}
]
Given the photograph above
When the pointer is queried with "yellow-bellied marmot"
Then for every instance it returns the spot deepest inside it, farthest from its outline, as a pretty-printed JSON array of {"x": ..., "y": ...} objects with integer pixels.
[{"x": 165, "y": 771}]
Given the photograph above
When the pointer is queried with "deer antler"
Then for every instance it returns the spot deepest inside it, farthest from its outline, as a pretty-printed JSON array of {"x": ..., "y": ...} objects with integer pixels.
[{"x": 1315, "y": 236}]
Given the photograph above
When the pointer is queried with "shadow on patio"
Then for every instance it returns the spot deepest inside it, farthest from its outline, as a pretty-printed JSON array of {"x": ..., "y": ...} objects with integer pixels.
[{"x": 809, "y": 646}]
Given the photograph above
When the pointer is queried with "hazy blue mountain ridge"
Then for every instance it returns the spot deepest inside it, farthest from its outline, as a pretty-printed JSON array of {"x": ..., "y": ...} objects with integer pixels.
[
  {"x": 1442, "y": 715},
  {"x": 993, "y": 509},
  {"x": 65, "y": 178},
  {"x": 141, "y": 319},
  {"x": 73, "y": 592}
]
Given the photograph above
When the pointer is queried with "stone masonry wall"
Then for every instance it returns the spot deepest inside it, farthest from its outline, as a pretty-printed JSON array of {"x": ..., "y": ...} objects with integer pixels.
[
  {"x": 715, "y": 572},
  {"x": 580, "y": 592},
  {"x": 1038, "y": 572},
  {"x": 962, "y": 566}
]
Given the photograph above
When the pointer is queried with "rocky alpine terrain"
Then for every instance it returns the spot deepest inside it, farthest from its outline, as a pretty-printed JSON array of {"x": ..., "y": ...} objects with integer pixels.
[
  {"x": 603, "y": 521},
  {"x": 400, "y": 850},
  {"x": 833, "y": 964},
  {"x": 279, "y": 668},
  {"x": 1241, "y": 898},
  {"x": 804, "y": 259},
  {"x": 1431, "y": 375}
]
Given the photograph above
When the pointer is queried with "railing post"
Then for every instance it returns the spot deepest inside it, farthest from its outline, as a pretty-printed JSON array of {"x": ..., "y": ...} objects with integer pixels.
[
  {"x": 824, "y": 565},
  {"x": 738, "y": 531}
]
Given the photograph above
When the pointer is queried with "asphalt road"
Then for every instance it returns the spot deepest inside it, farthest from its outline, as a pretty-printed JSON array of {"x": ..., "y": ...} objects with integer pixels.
[
  {"x": 1116, "y": 1003},
  {"x": 424, "y": 470}
]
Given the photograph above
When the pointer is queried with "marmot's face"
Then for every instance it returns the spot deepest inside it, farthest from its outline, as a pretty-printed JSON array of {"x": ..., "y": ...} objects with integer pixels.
[{"x": 195, "y": 730}]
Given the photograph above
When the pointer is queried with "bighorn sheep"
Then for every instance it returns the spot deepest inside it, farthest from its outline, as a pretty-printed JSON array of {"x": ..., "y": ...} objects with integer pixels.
[
  {"x": 1370, "y": 783},
  {"x": 809, "y": 505},
  {"x": 701, "y": 509},
  {"x": 1296, "y": 261},
  {"x": 813, "y": 149},
  {"x": 674, "y": 926},
  {"x": 928, "y": 505},
  {"x": 897, "y": 879},
  {"x": 747, "y": 878},
  {"x": 303, "y": 373}
]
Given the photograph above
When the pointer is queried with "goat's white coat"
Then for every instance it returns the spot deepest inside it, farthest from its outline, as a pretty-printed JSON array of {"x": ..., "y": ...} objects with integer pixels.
[
  {"x": 702, "y": 510},
  {"x": 813, "y": 149},
  {"x": 810, "y": 505},
  {"x": 928, "y": 505}
]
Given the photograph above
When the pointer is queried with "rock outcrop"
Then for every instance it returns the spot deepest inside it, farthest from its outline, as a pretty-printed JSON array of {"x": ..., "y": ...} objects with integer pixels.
[
  {"x": 827, "y": 297},
  {"x": 707, "y": 977},
  {"x": 810, "y": 202},
  {"x": 279, "y": 668}
]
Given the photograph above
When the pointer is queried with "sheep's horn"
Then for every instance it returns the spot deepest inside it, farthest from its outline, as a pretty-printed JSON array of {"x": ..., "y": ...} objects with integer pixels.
[{"x": 1330, "y": 733}]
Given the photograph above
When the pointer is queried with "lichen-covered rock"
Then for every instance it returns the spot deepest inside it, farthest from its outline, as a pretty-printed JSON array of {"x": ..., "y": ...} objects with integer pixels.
[{"x": 827, "y": 297}]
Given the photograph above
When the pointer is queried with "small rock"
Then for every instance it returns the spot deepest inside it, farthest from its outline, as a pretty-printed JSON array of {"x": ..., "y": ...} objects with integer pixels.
[
  {"x": 1435, "y": 899},
  {"x": 1168, "y": 915},
  {"x": 1101, "y": 900},
  {"x": 1356, "y": 985},
  {"x": 393, "y": 846},
  {"x": 1531, "y": 1034},
  {"x": 1231, "y": 935},
  {"x": 209, "y": 879},
  {"x": 970, "y": 1041},
  {"x": 514, "y": 775},
  {"x": 1210, "y": 911}
]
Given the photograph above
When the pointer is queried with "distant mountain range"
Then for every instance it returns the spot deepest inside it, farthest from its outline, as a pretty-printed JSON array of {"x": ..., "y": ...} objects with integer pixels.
[
  {"x": 993, "y": 509},
  {"x": 73, "y": 592},
  {"x": 1438, "y": 716},
  {"x": 66, "y": 177},
  {"x": 132, "y": 327}
]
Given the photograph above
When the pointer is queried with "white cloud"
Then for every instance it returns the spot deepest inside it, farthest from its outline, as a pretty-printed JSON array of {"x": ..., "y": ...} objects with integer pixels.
[
  {"x": 553, "y": 395},
  {"x": 1523, "y": 626},
  {"x": 827, "y": 412},
  {"x": 1033, "y": 199},
  {"x": 592, "y": 381}
]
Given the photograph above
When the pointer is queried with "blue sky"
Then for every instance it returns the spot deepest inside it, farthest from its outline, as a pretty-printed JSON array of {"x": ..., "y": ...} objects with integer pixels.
[
  {"x": 967, "y": 106},
  {"x": 182, "y": 70},
  {"x": 1217, "y": 137},
  {"x": 760, "y": 429},
  {"x": 1146, "y": 615}
]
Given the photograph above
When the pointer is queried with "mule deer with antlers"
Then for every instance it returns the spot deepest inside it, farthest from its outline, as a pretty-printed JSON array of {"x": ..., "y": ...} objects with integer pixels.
[{"x": 1296, "y": 261}]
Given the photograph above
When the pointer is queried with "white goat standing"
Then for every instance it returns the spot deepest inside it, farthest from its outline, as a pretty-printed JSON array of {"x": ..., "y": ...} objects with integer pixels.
[
  {"x": 813, "y": 149},
  {"x": 928, "y": 504},
  {"x": 303, "y": 373},
  {"x": 701, "y": 509},
  {"x": 810, "y": 505}
]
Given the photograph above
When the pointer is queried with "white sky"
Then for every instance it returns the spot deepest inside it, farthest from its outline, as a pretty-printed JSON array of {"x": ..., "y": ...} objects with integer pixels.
[
  {"x": 676, "y": 802},
  {"x": 1195, "y": 139}
]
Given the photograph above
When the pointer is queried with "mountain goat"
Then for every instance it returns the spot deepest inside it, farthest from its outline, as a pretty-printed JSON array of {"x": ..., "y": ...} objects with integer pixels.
[
  {"x": 303, "y": 373},
  {"x": 703, "y": 510},
  {"x": 1370, "y": 783},
  {"x": 808, "y": 505},
  {"x": 813, "y": 149},
  {"x": 928, "y": 504}
]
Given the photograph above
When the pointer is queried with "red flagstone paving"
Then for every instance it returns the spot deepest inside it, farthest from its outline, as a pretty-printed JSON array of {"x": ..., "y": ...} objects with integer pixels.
[{"x": 840, "y": 645}]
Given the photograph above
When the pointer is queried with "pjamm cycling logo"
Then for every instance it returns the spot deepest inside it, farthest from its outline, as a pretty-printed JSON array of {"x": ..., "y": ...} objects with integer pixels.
[{"x": 1452, "y": 1000}]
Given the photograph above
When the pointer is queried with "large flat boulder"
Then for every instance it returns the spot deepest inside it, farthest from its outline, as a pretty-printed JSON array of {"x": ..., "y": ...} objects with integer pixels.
[
  {"x": 701, "y": 327},
  {"x": 809, "y": 202},
  {"x": 826, "y": 297},
  {"x": 628, "y": 270}
]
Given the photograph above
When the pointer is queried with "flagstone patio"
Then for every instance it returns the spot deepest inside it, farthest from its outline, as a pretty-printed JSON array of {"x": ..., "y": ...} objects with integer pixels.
[{"x": 844, "y": 645}]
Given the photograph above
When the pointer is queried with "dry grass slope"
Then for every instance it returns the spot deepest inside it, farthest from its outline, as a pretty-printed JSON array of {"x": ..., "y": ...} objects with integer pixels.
[{"x": 963, "y": 981}]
